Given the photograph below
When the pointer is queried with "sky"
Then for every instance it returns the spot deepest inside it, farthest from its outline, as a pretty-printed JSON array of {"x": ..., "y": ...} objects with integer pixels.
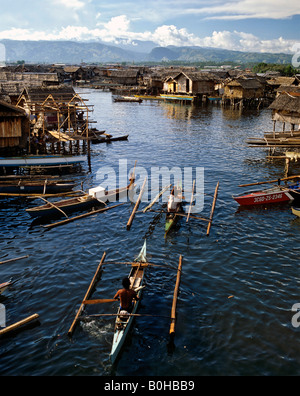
[{"x": 243, "y": 25}]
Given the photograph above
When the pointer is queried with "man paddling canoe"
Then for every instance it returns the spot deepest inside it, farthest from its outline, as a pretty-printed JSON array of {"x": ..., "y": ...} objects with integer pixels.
[{"x": 126, "y": 296}]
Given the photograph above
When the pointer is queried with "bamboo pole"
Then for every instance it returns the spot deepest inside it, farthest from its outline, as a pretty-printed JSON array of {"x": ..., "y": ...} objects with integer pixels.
[
  {"x": 156, "y": 198},
  {"x": 175, "y": 297},
  {"x": 18, "y": 324},
  {"x": 54, "y": 206},
  {"x": 270, "y": 181},
  {"x": 136, "y": 205},
  {"x": 70, "y": 219},
  {"x": 212, "y": 209},
  {"x": 192, "y": 197},
  {"x": 14, "y": 259},
  {"x": 86, "y": 297}
]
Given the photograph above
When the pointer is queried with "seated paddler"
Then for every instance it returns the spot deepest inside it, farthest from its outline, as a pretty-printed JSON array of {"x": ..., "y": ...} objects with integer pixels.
[{"x": 126, "y": 296}]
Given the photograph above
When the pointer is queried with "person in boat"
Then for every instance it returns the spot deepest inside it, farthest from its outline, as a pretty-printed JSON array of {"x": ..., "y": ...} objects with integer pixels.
[
  {"x": 174, "y": 200},
  {"x": 126, "y": 296}
]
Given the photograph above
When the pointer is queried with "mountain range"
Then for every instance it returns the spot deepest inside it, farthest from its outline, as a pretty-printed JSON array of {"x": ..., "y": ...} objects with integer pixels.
[{"x": 74, "y": 52}]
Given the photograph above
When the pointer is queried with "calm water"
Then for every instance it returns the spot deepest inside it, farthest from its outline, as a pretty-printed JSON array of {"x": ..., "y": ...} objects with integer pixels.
[{"x": 238, "y": 285}]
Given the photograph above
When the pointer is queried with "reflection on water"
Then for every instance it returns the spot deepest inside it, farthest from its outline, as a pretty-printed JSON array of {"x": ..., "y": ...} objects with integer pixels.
[{"x": 238, "y": 285}]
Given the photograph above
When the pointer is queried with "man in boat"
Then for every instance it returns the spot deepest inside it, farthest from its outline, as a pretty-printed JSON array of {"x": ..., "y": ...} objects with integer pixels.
[
  {"x": 174, "y": 200},
  {"x": 126, "y": 296}
]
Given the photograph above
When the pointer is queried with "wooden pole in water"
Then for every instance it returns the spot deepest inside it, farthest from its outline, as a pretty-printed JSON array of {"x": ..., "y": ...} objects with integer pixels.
[
  {"x": 70, "y": 219},
  {"x": 136, "y": 205},
  {"x": 86, "y": 297},
  {"x": 156, "y": 198},
  {"x": 14, "y": 259},
  {"x": 175, "y": 297},
  {"x": 18, "y": 324},
  {"x": 192, "y": 197},
  {"x": 212, "y": 209}
]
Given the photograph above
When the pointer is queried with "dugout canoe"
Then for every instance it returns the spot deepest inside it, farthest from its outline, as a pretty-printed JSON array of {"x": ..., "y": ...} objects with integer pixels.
[{"x": 124, "y": 322}]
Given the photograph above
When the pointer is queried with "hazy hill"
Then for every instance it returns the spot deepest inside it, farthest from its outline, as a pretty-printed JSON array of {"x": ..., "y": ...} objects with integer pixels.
[{"x": 73, "y": 52}]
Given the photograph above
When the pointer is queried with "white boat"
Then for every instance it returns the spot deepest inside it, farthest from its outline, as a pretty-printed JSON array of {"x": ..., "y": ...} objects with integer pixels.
[
  {"x": 124, "y": 322},
  {"x": 41, "y": 160}
]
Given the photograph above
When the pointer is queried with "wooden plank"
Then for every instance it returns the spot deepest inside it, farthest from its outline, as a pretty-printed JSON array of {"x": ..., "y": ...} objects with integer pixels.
[
  {"x": 212, "y": 209},
  {"x": 18, "y": 324},
  {"x": 175, "y": 297},
  {"x": 190, "y": 208},
  {"x": 86, "y": 297},
  {"x": 129, "y": 223}
]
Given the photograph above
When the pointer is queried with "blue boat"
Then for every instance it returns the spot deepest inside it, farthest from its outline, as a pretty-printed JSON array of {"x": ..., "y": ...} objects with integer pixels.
[{"x": 41, "y": 160}]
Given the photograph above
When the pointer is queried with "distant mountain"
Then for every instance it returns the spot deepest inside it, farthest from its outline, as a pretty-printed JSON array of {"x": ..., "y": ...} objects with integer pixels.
[
  {"x": 73, "y": 52},
  {"x": 201, "y": 54}
]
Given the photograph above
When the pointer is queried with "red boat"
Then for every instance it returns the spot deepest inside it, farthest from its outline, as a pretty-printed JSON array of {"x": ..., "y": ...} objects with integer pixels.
[{"x": 268, "y": 196}]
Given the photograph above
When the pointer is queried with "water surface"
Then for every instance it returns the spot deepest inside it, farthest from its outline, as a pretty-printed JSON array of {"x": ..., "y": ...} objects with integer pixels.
[{"x": 238, "y": 285}]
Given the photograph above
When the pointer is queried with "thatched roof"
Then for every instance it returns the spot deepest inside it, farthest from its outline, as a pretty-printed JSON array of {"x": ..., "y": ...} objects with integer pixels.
[
  {"x": 61, "y": 93},
  {"x": 283, "y": 81},
  {"x": 245, "y": 83},
  {"x": 7, "y": 107},
  {"x": 287, "y": 102}
]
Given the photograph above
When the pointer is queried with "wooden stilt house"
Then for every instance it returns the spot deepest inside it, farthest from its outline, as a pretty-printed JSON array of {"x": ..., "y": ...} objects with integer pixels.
[{"x": 14, "y": 129}]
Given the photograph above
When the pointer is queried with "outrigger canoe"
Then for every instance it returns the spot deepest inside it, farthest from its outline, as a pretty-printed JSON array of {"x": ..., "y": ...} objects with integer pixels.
[
  {"x": 95, "y": 197},
  {"x": 172, "y": 217},
  {"x": 271, "y": 195},
  {"x": 124, "y": 322}
]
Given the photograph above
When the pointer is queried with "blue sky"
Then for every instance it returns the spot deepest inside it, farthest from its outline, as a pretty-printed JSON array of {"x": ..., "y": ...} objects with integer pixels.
[{"x": 246, "y": 25}]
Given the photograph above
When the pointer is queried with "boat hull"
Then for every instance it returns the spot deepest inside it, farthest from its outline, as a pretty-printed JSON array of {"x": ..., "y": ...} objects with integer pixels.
[
  {"x": 296, "y": 211},
  {"x": 76, "y": 204},
  {"x": 41, "y": 160},
  {"x": 264, "y": 197},
  {"x": 36, "y": 188}
]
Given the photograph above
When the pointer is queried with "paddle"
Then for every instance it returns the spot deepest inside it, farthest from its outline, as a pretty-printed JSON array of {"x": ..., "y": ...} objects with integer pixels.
[{"x": 99, "y": 301}]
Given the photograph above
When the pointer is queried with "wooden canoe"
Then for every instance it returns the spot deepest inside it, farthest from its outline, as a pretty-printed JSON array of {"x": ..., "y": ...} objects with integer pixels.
[
  {"x": 70, "y": 205},
  {"x": 123, "y": 323},
  {"x": 34, "y": 187},
  {"x": 171, "y": 217},
  {"x": 108, "y": 139}
]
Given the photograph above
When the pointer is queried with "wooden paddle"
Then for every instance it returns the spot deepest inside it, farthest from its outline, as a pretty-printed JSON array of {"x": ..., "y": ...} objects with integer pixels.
[{"x": 99, "y": 301}]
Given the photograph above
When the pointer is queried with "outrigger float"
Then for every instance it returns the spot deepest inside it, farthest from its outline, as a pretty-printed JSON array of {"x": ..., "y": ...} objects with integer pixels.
[{"x": 124, "y": 320}]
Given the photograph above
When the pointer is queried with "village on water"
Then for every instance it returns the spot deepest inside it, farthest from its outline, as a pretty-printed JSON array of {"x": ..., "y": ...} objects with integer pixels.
[{"x": 47, "y": 131}]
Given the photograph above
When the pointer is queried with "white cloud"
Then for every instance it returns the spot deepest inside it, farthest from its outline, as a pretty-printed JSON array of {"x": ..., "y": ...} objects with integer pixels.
[
  {"x": 73, "y": 4},
  {"x": 117, "y": 30},
  {"x": 246, "y": 9}
]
